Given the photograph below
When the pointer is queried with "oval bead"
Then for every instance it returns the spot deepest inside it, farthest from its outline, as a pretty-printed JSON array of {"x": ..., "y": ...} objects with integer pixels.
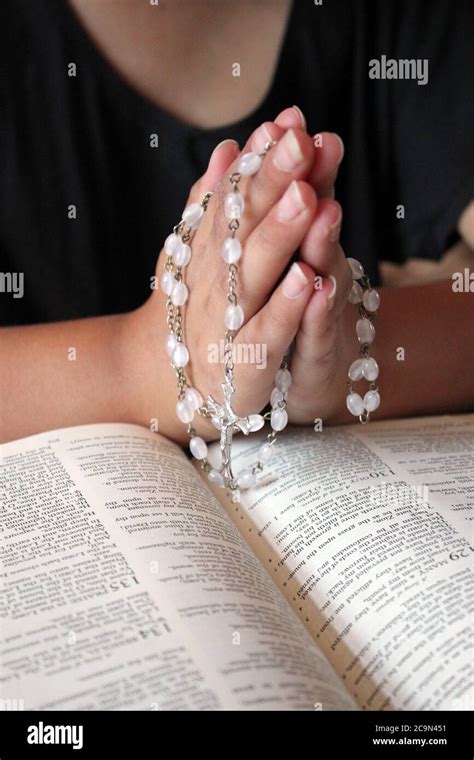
[
  {"x": 370, "y": 369},
  {"x": 283, "y": 379},
  {"x": 180, "y": 355},
  {"x": 279, "y": 419},
  {"x": 192, "y": 215},
  {"x": 193, "y": 398},
  {"x": 179, "y": 294},
  {"x": 372, "y": 400},
  {"x": 167, "y": 282},
  {"x": 182, "y": 255},
  {"x": 256, "y": 422},
  {"x": 171, "y": 343},
  {"x": 265, "y": 453},
  {"x": 371, "y": 300},
  {"x": 234, "y": 317},
  {"x": 234, "y": 205},
  {"x": 171, "y": 243},
  {"x": 356, "y": 268},
  {"x": 355, "y": 370},
  {"x": 198, "y": 447},
  {"x": 231, "y": 250},
  {"x": 365, "y": 330},
  {"x": 357, "y": 293},
  {"x": 276, "y": 397},
  {"x": 355, "y": 404},
  {"x": 249, "y": 164},
  {"x": 215, "y": 477},
  {"x": 246, "y": 479},
  {"x": 184, "y": 412}
]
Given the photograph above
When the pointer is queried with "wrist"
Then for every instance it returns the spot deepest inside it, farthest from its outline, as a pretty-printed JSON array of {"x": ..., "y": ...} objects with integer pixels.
[{"x": 148, "y": 382}]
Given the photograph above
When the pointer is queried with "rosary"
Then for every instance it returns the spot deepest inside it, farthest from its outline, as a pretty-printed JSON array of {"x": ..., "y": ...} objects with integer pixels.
[{"x": 221, "y": 413}]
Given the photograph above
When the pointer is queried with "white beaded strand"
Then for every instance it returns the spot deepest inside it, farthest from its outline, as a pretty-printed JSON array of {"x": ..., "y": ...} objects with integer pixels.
[
  {"x": 365, "y": 367},
  {"x": 178, "y": 249}
]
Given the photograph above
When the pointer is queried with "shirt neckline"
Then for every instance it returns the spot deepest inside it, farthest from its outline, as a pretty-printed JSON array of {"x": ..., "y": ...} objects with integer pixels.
[{"x": 135, "y": 103}]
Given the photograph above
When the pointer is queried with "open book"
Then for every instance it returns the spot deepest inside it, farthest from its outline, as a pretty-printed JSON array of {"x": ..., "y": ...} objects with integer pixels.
[{"x": 341, "y": 581}]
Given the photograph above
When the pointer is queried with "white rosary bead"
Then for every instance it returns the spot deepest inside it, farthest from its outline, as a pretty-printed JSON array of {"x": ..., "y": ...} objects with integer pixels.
[
  {"x": 355, "y": 404},
  {"x": 265, "y": 453},
  {"x": 171, "y": 243},
  {"x": 234, "y": 317},
  {"x": 231, "y": 250},
  {"x": 249, "y": 164},
  {"x": 179, "y": 294},
  {"x": 198, "y": 447},
  {"x": 167, "y": 282},
  {"x": 215, "y": 477},
  {"x": 357, "y": 293},
  {"x": 246, "y": 479},
  {"x": 372, "y": 400},
  {"x": 283, "y": 379},
  {"x": 371, "y": 300},
  {"x": 370, "y": 369},
  {"x": 355, "y": 370},
  {"x": 356, "y": 268},
  {"x": 171, "y": 343},
  {"x": 256, "y": 422},
  {"x": 234, "y": 205},
  {"x": 184, "y": 412},
  {"x": 365, "y": 330},
  {"x": 180, "y": 355},
  {"x": 182, "y": 255},
  {"x": 279, "y": 419},
  {"x": 193, "y": 398},
  {"x": 276, "y": 397},
  {"x": 192, "y": 215}
]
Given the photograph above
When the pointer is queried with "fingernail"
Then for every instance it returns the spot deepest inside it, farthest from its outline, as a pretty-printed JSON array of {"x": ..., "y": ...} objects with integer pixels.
[
  {"x": 342, "y": 146},
  {"x": 301, "y": 115},
  {"x": 331, "y": 297},
  {"x": 260, "y": 138},
  {"x": 291, "y": 204},
  {"x": 288, "y": 153},
  {"x": 223, "y": 142},
  {"x": 294, "y": 282}
]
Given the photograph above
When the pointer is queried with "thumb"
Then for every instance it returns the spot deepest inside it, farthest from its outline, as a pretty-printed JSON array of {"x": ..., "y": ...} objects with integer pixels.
[{"x": 221, "y": 159}]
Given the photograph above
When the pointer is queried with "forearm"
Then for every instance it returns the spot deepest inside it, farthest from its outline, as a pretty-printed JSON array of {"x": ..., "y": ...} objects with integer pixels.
[
  {"x": 107, "y": 369},
  {"x": 61, "y": 374},
  {"x": 424, "y": 346}
]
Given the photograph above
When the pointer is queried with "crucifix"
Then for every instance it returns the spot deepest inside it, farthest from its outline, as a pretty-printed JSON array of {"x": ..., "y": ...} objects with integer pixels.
[{"x": 229, "y": 422}]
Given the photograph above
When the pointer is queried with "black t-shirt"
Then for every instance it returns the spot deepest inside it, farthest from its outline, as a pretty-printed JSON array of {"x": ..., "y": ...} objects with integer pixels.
[{"x": 84, "y": 141}]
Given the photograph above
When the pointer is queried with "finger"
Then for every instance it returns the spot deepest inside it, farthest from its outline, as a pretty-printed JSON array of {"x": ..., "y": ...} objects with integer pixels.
[
  {"x": 271, "y": 245},
  {"x": 274, "y": 326},
  {"x": 215, "y": 223},
  {"x": 221, "y": 159},
  {"x": 329, "y": 150},
  {"x": 291, "y": 158},
  {"x": 315, "y": 338},
  {"x": 314, "y": 352},
  {"x": 322, "y": 251},
  {"x": 291, "y": 118}
]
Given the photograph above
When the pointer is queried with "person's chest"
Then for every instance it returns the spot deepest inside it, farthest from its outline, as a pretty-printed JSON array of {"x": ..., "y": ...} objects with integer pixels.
[{"x": 208, "y": 63}]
